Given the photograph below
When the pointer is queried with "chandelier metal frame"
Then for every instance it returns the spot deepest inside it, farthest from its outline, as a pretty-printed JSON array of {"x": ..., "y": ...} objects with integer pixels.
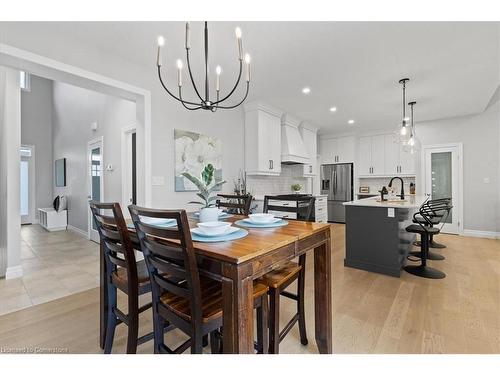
[{"x": 206, "y": 102}]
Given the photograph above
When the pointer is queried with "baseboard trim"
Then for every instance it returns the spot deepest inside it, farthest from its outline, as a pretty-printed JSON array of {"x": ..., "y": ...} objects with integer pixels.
[
  {"x": 14, "y": 272},
  {"x": 481, "y": 233},
  {"x": 78, "y": 231}
]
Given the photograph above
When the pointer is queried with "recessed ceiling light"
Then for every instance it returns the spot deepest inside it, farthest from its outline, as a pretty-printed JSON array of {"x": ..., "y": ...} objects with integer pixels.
[
  {"x": 350, "y": 122},
  {"x": 333, "y": 109},
  {"x": 306, "y": 90}
]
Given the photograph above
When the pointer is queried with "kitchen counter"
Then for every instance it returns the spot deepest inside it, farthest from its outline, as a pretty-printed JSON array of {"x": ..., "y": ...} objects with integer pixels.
[
  {"x": 410, "y": 201},
  {"x": 376, "y": 236},
  {"x": 261, "y": 197}
]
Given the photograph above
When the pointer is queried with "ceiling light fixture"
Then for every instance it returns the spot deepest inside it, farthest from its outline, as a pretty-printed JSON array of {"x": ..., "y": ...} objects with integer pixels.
[
  {"x": 333, "y": 109},
  {"x": 350, "y": 122},
  {"x": 205, "y": 101},
  {"x": 413, "y": 144},
  {"x": 306, "y": 90}
]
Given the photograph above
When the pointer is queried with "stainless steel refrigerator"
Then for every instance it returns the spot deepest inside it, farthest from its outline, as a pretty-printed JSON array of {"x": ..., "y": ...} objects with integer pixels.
[{"x": 336, "y": 183}]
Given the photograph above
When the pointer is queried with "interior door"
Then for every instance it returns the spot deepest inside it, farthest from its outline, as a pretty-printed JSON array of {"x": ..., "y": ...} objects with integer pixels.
[
  {"x": 95, "y": 182},
  {"x": 441, "y": 181}
]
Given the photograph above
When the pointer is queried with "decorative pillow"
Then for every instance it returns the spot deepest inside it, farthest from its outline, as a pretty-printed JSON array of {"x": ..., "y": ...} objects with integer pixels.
[
  {"x": 56, "y": 203},
  {"x": 63, "y": 203}
]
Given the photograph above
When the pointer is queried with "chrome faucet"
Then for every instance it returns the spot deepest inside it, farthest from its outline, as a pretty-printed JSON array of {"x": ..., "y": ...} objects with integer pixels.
[{"x": 402, "y": 186}]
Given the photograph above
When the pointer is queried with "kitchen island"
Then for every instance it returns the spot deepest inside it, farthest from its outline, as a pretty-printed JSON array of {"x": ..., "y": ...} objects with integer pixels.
[{"x": 376, "y": 238}]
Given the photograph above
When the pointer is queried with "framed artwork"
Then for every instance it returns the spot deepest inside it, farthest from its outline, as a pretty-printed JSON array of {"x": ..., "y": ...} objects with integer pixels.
[{"x": 193, "y": 151}]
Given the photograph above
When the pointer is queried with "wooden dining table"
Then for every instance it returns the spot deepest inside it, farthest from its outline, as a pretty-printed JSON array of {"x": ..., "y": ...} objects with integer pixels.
[{"x": 239, "y": 262}]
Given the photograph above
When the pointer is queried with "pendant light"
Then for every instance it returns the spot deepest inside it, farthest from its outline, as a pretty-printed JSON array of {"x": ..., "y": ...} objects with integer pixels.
[
  {"x": 413, "y": 144},
  {"x": 403, "y": 131}
]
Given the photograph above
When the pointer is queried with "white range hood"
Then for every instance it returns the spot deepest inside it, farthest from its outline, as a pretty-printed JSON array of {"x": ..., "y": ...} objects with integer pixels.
[{"x": 293, "y": 150}]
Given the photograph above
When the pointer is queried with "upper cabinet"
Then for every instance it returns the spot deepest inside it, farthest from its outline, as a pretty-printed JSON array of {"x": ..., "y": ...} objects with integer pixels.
[
  {"x": 371, "y": 161},
  {"x": 309, "y": 137},
  {"x": 337, "y": 150},
  {"x": 262, "y": 139},
  {"x": 380, "y": 155},
  {"x": 397, "y": 161}
]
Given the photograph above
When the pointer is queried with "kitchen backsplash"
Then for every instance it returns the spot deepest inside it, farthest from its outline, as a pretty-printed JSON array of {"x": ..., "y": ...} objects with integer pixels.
[
  {"x": 376, "y": 184},
  {"x": 271, "y": 185}
]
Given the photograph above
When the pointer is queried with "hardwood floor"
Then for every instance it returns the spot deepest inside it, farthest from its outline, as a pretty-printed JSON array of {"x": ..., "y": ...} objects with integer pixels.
[{"x": 372, "y": 313}]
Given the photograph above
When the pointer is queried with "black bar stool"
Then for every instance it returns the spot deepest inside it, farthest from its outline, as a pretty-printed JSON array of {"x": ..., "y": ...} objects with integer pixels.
[
  {"x": 438, "y": 211},
  {"x": 425, "y": 230}
]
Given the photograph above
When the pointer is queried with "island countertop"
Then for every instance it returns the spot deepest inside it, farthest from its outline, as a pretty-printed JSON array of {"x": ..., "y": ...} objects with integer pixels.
[{"x": 410, "y": 201}]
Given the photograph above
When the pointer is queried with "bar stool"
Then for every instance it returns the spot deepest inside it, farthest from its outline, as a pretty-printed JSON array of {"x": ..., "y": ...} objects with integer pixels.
[
  {"x": 278, "y": 280},
  {"x": 438, "y": 209},
  {"x": 190, "y": 298},
  {"x": 424, "y": 231},
  {"x": 122, "y": 273}
]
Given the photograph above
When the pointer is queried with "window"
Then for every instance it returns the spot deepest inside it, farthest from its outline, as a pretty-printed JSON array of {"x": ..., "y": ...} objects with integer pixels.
[{"x": 25, "y": 81}]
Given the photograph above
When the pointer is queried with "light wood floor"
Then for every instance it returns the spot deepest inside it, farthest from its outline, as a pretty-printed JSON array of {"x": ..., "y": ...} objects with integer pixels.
[{"x": 372, "y": 313}]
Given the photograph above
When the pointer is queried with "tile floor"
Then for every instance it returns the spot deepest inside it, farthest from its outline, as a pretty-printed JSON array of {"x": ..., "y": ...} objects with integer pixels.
[{"x": 55, "y": 264}]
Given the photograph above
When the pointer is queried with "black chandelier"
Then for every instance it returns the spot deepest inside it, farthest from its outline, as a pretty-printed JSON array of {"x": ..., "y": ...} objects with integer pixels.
[{"x": 205, "y": 102}]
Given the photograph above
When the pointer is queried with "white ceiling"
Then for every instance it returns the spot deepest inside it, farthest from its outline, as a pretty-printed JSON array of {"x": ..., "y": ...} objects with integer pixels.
[{"x": 355, "y": 66}]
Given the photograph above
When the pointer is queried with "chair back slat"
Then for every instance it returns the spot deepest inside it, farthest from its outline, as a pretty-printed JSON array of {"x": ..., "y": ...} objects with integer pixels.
[
  {"x": 115, "y": 242},
  {"x": 179, "y": 289},
  {"x": 156, "y": 231},
  {"x": 303, "y": 204},
  {"x": 239, "y": 204},
  {"x": 165, "y": 250},
  {"x": 169, "y": 252}
]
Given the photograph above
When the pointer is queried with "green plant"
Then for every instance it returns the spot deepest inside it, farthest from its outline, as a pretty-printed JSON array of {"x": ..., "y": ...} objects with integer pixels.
[
  {"x": 296, "y": 187},
  {"x": 203, "y": 185}
]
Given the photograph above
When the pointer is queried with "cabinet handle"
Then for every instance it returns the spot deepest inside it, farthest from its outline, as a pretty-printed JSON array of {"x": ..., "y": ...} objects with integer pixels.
[
  {"x": 310, "y": 169},
  {"x": 320, "y": 209}
]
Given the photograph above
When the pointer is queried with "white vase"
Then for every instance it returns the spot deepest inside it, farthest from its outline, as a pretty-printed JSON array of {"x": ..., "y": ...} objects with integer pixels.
[{"x": 209, "y": 214}]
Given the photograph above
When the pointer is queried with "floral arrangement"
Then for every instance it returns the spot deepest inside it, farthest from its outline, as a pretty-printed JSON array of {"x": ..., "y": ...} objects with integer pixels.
[{"x": 203, "y": 185}]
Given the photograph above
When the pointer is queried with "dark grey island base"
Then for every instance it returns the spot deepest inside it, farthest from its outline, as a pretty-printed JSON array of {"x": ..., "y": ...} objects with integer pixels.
[{"x": 376, "y": 241}]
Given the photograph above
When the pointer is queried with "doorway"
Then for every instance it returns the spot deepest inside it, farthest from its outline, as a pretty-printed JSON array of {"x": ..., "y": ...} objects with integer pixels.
[
  {"x": 95, "y": 181},
  {"x": 129, "y": 168},
  {"x": 27, "y": 184},
  {"x": 443, "y": 179}
]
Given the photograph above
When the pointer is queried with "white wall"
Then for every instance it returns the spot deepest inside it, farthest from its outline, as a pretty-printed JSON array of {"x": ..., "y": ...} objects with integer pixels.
[
  {"x": 481, "y": 142},
  {"x": 74, "y": 109},
  {"x": 36, "y": 129}
]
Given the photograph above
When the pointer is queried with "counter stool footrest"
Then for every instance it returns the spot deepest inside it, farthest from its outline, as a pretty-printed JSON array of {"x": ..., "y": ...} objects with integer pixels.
[{"x": 430, "y": 255}]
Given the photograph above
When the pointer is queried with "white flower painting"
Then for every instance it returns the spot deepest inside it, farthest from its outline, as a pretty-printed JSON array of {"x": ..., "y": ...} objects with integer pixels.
[{"x": 193, "y": 152}]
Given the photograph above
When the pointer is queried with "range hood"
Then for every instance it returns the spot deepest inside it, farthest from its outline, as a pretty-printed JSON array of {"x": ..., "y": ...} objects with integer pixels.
[{"x": 293, "y": 150}]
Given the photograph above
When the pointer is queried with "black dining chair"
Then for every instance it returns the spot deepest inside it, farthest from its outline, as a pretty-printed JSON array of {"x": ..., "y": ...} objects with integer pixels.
[
  {"x": 190, "y": 298},
  {"x": 279, "y": 279}
]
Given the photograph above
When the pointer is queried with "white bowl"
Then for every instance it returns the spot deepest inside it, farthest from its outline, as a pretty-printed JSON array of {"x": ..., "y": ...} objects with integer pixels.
[
  {"x": 214, "y": 227},
  {"x": 261, "y": 218}
]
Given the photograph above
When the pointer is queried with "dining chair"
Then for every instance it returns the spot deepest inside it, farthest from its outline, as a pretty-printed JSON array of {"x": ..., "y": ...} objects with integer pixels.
[
  {"x": 191, "y": 298},
  {"x": 123, "y": 273},
  {"x": 238, "y": 203},
  {"x": 279, "y": 279}
]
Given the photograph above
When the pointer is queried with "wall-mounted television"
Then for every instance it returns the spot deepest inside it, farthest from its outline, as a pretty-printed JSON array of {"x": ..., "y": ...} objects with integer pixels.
[{"x": 60, "y": 172}]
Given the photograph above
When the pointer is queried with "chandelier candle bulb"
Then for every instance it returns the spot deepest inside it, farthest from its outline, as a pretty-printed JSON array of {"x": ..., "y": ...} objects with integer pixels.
[
  {"x": 179, "y": 73},
  {"x": 188, "y": 36},
  {"x": 218, "y": 70},
  {"x": 240, "y": 45},
  {"x": 247, "y": 62},
  {"x": 161, "y": 43}
]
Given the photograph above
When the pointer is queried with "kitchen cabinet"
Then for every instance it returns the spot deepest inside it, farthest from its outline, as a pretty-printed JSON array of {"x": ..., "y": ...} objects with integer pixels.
[
  {"x": 371, "y": 160},
  {"x": 337, "y": 150},
  {"x": 262, "y": 139},
  {"x": 309, "y": 137},
  {"x": 397, "y": 161}
]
